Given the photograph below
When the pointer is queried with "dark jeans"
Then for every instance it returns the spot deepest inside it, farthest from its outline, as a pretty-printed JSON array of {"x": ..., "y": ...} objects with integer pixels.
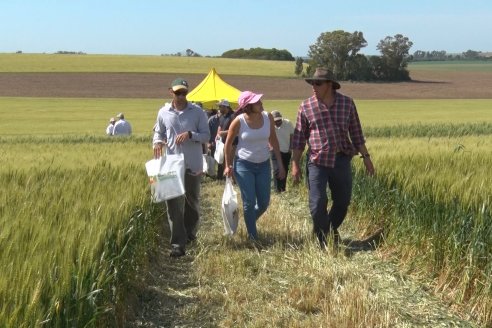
[
  {"x": 281, "y": 183},
  {"x": 183, "y": 212},
  {"x": 339, "y": 180}
]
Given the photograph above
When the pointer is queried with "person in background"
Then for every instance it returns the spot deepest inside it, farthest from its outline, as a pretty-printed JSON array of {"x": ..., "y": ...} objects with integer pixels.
[
  {"x": 110, "y": 127},
  {"x": 213, "y": 125},
  {"x": 183, "y": 128},
  {"x": 200, "y": 104},
  {"x": 256, "y": 133},
  {"x": 225, "y": 119},
  {"x": 329, "y": 123},
  {"x": 122, "y": 127},
  {"x": 284, "y": 130}
]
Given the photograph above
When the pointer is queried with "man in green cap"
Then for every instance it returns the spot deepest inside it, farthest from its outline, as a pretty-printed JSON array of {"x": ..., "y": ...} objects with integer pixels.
[{"x": 183, "y": 128}]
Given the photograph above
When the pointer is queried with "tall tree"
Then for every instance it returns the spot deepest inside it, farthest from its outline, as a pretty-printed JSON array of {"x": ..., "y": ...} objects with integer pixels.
[
  {"x": 394, "y": 52},
  {"x": 299, "y": 66},
  {"x": 335, "y": 50}
]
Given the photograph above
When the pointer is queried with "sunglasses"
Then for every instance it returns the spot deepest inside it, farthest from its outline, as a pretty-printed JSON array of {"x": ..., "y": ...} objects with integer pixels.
[
  {"x": 317, "y": 83},
  {"x": 180, "y": 93}
]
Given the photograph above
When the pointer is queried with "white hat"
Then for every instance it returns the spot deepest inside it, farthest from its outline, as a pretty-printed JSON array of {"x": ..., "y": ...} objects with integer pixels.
[{"x": 276, "y": 115}]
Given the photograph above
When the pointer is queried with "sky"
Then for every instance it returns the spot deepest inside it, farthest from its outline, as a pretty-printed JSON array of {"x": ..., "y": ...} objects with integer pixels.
[{"x": 211, "y": 27}]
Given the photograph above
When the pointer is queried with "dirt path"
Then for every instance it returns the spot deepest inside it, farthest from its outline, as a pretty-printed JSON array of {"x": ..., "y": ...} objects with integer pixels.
[
  {"x": 163, "y": 290},
  {"x": 170, "y": 290}
]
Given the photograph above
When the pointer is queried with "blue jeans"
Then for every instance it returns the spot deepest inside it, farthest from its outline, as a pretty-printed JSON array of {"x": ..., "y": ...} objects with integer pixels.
[
  {"x": 339, "y": 180},
  {"x": 254, "y": 181}
]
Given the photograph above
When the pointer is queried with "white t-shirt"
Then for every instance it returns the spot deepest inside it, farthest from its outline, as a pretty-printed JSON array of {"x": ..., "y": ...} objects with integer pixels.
[
  {"x": 253, "y": 143},
  {"x": 284, "y": 132}
]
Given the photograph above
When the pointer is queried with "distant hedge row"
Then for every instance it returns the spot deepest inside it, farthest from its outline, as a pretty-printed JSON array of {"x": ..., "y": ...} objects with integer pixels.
[{"x": 259, "y": 53}]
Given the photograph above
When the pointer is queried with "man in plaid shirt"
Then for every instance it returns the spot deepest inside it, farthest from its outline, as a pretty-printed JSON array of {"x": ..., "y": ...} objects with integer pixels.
[{"x": 328, "y": 122}]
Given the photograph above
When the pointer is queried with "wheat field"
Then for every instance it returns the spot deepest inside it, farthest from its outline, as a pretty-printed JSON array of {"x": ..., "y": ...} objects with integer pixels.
[{"x": 78, "y": 233}]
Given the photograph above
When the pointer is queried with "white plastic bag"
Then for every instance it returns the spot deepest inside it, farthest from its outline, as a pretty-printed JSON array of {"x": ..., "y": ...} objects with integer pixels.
[
  {"x": 209, "y": 165},
  {"x": 166, "y": 177},
  {"x": 219, "y": 151},
  {"x": 230, "y": 211}
]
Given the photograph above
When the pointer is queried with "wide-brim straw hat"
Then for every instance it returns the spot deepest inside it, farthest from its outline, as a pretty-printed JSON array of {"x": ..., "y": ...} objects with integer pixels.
[{"x": 323, "y": 74}]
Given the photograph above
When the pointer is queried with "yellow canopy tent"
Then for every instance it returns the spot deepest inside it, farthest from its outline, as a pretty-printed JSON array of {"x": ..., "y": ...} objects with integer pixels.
[{"x": 213, "y": 89}]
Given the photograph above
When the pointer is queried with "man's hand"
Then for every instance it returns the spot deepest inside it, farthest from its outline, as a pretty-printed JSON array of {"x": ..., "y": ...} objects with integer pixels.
[
  {"x": 369, "y": 166},
  {"x": 281, "y": 172},
  {"x": 296, "y": 173},
  {"x": 182, "y": 138},
  {"x": 158, "y": 149}
]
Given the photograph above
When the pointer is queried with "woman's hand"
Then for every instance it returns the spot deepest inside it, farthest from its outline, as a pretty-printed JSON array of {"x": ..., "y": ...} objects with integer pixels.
[{"x": 228, "y": 171}]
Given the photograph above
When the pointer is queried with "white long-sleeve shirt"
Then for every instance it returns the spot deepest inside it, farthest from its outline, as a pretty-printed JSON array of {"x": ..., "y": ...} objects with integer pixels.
[
  {"x": 122, "y": 127},
  {"x": 172, "y": 122}
]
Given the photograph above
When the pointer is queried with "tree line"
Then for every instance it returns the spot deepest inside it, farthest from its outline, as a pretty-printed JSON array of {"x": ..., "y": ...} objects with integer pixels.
[
  {"x": 259, "y": 53},
  {"x": 441, "y": 55},
  {"x": 339, "y": 52}
]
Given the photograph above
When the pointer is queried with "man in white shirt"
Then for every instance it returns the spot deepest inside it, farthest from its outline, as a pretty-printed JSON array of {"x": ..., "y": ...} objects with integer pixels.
[
  {"x": 122, "y": 127},
  {"x": 284, "y": 130},
  {"x": 182, "y": 127}
]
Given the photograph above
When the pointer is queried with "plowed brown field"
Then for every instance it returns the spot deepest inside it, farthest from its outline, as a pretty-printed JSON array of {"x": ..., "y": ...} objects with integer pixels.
[{"x": 425, "y": 85}]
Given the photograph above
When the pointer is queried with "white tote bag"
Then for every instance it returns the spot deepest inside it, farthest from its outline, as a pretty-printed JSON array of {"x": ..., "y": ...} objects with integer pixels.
[
  {"x": 230, "y": 211},
  {"x": 219, "y": 151},
  {"x": 166, "y": 177}
]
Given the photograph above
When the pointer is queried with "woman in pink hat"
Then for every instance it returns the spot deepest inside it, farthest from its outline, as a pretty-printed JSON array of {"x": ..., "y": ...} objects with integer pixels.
[{"x": 256, "y": 133}]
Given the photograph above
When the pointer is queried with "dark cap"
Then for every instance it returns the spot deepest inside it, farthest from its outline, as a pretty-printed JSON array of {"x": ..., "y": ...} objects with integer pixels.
[{"x": 179, "y": 84}]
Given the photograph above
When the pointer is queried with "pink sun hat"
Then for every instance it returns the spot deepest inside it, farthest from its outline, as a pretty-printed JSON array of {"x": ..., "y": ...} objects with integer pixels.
[{"x": 248, "y": 97}]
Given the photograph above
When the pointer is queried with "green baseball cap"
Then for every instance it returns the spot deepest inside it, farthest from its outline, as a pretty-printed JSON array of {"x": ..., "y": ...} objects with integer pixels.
[{"x": 179, "y": 84}]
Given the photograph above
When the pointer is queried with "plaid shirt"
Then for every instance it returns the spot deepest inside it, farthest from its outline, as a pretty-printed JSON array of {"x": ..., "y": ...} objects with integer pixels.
[{"x": 328, "y": 130}]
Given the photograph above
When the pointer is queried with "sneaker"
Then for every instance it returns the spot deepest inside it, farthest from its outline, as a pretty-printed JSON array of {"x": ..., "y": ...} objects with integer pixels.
[{"x": 177, "y": 251}]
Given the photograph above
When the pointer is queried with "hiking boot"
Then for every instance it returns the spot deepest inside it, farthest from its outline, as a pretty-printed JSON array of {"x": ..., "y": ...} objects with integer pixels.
[{"x": 177, "y": 251}]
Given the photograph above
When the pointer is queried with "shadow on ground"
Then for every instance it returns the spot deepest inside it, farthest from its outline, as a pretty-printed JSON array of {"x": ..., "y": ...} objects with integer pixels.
[{"x": 370, "y": 243}]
